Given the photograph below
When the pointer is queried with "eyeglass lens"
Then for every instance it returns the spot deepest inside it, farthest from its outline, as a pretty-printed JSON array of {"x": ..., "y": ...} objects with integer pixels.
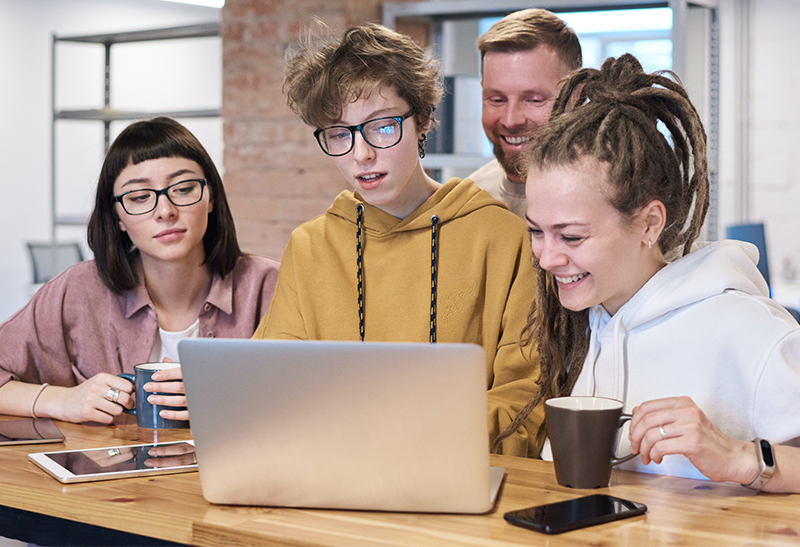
[
  {"x": 181, "y": 194},
  {"x": 379, "y": 133}
]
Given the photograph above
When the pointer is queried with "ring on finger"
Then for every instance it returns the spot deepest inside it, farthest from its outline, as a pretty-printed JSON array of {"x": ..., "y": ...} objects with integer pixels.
[
  {"x": 664, "y": 435},
  {"x": 112, "y": 395}
]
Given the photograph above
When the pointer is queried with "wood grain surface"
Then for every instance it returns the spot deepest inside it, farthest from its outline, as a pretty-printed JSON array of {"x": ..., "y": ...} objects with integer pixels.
[{"x": 681, "y": 512}]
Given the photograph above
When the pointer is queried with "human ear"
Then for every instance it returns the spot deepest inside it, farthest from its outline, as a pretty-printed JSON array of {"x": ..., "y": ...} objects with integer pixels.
[
  {"x": 423, "y": 128},
  {"x": 119, "y": 221},
  {"x": 654, "y": 215}
]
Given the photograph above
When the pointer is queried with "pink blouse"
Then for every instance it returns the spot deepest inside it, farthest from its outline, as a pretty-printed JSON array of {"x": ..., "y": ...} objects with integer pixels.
[{"x": 75, "y": 327}]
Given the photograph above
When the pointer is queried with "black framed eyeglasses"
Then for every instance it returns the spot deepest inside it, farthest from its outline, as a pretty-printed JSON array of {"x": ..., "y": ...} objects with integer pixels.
[
  {"x": 180, "y": 194},
  {"x": 338, "y": 140}
]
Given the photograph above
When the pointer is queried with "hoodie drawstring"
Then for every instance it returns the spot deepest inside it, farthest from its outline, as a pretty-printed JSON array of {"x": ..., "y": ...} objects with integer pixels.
[
  {"x": 360, "y": 272},
  {"x": 434, "y": 223},
  {"x": 594, "y": 349}
]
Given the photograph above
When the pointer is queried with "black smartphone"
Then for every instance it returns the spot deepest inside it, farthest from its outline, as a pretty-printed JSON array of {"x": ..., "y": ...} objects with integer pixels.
[{"x": 563, "y": 516}]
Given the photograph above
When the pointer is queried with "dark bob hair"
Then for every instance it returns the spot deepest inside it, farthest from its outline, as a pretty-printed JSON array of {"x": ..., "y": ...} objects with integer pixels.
[{"x": 114, "y": 253}]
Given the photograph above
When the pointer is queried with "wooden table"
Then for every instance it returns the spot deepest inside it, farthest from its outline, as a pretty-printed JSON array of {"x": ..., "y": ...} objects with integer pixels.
[{"x": 171, "y": 507}]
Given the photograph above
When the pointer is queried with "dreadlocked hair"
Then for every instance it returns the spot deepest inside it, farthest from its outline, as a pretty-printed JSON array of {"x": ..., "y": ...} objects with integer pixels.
[{"x": 648, "y": 133}]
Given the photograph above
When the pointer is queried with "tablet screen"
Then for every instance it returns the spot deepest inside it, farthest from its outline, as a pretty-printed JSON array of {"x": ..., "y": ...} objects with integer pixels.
[
  {"x": 118, "y": 461},
  {"x": 125, "y": 458},
  {"x": 29, "y": 431}
]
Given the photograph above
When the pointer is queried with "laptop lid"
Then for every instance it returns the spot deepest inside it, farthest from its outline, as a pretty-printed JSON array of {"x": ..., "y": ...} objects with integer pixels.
[{"x": 342, "y": 425}]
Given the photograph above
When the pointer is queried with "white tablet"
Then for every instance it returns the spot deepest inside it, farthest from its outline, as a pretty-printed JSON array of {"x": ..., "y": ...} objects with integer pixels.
[
  {"x": 117, "y": 462},
  {"x": 29, "y": 431}
]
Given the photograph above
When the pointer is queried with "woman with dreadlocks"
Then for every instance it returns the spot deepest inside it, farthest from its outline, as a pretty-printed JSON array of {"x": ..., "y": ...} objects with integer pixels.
[{"x": 628, "y": 308}]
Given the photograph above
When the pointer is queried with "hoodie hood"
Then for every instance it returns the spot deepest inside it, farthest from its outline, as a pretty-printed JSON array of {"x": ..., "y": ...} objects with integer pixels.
[
  {"x": 702, "y": 327},
  {"x": 710, "y": 269},
  {"x": 456, "y": 198}
]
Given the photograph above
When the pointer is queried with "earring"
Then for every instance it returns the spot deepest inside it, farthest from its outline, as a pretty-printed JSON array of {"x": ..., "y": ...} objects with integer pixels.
[
  {"x": 649, "y": 244},
  {"x": 421, "y": 145}
]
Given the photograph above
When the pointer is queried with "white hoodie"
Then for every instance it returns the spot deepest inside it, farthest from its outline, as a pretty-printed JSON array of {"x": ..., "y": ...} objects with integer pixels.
[{"x": 704, "y": 327}]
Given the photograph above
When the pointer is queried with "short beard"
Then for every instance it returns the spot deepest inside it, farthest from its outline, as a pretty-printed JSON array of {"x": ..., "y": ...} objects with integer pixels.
[{"x": 515, "y": 164}]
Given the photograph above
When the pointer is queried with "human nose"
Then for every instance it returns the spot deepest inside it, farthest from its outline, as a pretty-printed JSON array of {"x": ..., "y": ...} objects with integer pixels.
[
  {"x": 362, "y": 151},
  {"x": 164, "y": 207},
  {"x": 548, "y": 252},
  {"x": 513, "y": 115}
]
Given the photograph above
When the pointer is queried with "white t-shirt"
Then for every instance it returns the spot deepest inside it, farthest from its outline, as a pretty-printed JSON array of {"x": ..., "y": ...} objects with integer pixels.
[
  {"x": 492, "y": 178},
  {"x": 166, "y": 343}
]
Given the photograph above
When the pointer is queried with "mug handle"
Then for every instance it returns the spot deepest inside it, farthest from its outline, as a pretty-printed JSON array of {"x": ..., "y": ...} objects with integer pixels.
[
  {"x": 131, "y": 379},
  {"x": 616, "y": 461}
]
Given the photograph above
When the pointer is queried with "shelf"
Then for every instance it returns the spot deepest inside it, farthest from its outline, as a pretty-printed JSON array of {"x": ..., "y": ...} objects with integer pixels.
[
  {"x": 437, "y": 161},
  {"x": 110, "y": 115},
  {"x": 106, "y": 114},
  {"x": 77, "y": 220},
  {"x": 172, "y": 33}
]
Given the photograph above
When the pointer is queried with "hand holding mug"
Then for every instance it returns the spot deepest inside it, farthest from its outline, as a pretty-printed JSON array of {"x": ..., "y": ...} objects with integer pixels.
[
  {"x": 676, "y": 425},
  {"x": 91, "y": 400},
  {"x": 167, "y": 390},
  {"x": 150, "y": 410}
]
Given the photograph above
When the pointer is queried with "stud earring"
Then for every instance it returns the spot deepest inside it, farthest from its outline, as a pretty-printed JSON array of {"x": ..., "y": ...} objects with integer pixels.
[
  {"x": 649, "y": 244},
  {"x": 421, "y": 145}
]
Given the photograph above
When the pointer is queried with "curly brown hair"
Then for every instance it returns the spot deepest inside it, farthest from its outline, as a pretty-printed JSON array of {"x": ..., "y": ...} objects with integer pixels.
[
  {"x": 324, "y": 74},
  {"x": 645, "y": 128}
]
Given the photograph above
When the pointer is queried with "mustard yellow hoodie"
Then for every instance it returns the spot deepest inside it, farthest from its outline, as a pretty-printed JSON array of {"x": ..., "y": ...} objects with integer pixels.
[{"x": 484, "y": 287}]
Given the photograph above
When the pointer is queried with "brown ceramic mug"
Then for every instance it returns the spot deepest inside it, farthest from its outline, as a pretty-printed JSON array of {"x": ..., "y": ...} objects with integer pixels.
[{"x": 583, "y": 438}]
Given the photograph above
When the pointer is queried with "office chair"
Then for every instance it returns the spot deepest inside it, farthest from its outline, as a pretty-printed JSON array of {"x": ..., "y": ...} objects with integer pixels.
[{"x": 50, "y": 259}]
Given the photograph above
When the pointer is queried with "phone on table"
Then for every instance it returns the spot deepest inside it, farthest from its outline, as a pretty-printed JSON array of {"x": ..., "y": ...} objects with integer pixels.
[{"x": 563, "y": 516}]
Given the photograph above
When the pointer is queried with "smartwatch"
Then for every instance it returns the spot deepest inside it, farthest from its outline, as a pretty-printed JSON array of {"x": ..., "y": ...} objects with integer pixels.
[{"x": 766, "y": 463}]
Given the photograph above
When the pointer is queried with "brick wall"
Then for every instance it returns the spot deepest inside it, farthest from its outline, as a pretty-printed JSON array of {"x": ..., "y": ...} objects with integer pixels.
[{"x": 275, "y": 175}]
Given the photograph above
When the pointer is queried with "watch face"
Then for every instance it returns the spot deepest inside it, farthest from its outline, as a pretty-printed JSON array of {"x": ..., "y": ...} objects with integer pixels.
[{"x": 766, "y": 452}]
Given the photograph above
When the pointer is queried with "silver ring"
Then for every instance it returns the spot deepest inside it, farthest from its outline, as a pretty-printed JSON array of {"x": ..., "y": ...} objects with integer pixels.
[
  {"x": 114, "y": 452},
  {"x": 664, "y": 435},
  {"x": 112, "y": 395}
]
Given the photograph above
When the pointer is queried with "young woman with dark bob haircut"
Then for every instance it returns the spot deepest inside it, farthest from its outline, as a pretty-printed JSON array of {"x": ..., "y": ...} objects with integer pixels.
[
  {"x": 630, "y": 307},
  {"x": 167, "y": 266},
  {"x": 401, "y": 257}
]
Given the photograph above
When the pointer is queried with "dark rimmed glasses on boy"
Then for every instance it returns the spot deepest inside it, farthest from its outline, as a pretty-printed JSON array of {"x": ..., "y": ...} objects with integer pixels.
[
  {"x": 383, "y": 132},
  {"x": 180, "y": 194}
]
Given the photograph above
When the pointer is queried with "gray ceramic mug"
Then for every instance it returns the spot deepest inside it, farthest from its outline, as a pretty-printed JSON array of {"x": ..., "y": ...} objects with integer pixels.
[
  {"x": 147, "y": 414},
  {"x": 583, "y": 437}
]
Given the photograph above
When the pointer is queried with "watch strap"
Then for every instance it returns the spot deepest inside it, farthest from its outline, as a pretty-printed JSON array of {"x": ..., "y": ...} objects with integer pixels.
[{"x": 766, "y": 464}]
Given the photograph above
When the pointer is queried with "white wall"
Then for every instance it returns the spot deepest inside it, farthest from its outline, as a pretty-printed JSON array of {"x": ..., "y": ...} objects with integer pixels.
[
  {"x": 774, "y": 175},
  {"x": 144, "y": 76},
  {"x": 772, "y": 167}
]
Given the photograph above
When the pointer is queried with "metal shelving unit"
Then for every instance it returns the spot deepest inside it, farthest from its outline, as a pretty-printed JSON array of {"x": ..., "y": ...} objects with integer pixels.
[{"x": 106, "y": 114}]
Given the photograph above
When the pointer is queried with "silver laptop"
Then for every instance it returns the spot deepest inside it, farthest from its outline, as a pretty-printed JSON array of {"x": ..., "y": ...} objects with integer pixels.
[{"x": 341, "y": 425}]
